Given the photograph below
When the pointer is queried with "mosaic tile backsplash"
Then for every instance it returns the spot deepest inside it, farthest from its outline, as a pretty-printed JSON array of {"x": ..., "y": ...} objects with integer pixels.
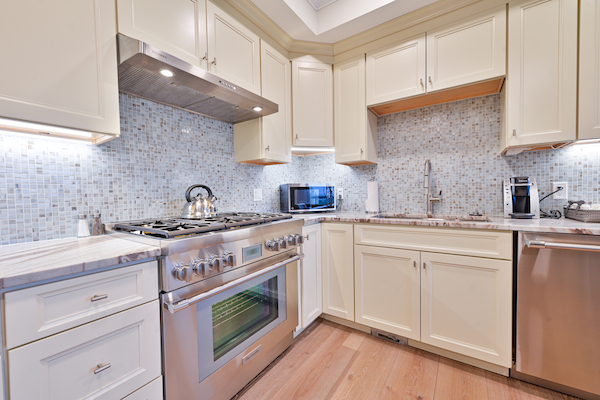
[{"x": 45, "y": 184}]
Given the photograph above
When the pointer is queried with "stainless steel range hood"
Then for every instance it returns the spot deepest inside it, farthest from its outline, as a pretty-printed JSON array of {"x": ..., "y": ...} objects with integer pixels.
[{"x": 190, "y": 88}]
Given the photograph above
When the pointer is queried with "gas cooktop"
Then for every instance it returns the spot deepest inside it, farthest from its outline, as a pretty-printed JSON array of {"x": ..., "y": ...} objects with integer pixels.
[{"x": 176, "y": 227}]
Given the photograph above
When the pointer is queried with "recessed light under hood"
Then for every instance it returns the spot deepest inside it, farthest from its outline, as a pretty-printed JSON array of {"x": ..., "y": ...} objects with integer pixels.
[{"x": 190, "y": 87}]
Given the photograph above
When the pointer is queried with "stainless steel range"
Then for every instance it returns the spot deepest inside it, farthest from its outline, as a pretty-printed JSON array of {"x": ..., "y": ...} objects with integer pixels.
[{"x": 229, "y": 297}]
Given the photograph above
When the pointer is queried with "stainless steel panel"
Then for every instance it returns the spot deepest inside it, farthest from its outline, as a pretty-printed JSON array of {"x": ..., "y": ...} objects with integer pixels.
[{"x": 558, "y": 312}]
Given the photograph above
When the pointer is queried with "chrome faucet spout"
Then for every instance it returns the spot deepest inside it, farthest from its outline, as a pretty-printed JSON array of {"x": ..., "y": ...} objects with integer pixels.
[{"x": 427, "y": 185}]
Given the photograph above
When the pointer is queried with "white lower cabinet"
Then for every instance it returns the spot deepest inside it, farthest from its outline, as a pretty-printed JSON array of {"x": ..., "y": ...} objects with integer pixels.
[
  {"x": 311, "y": 293},
  {"x": 466, "y": 306},
  {"x": 152, "y": 391},
  {"x": 106, "y": 359},
  {"x": 338, "y": 270},
  {"x": 387, "y": 290}
]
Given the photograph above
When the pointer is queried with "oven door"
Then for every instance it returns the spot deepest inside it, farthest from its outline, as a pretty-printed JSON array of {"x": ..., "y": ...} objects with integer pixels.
[{"x": 216, "y": 339}]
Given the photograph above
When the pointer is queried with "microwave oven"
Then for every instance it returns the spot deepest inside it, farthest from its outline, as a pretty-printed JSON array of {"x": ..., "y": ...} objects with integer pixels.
[{"x": 307, "y": 197}]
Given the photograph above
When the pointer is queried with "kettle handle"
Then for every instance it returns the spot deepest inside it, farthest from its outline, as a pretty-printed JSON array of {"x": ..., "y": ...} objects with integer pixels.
[{"x": 189, "y": 191}]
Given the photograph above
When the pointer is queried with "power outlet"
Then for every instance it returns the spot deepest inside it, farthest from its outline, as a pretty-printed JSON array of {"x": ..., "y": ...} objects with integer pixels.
[
  {"x": 257, "y": 194},
  {"x": 340, "y": 193},
  {"x": 563, "y": 194}
]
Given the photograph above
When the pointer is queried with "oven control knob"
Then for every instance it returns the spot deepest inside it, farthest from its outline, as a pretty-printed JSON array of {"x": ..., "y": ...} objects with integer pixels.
[
  {"x": 216, "y": 264},
  {"x": 199, "y": 267},
  {"x": 282, "y": 243},
  {"x": 272, "y": 245},
  {"x": 292, "y": 240},
  {"x": 299, "y": 238},
  {"x": 229, "y": 259},
  {"x": 183, "y": 273}
]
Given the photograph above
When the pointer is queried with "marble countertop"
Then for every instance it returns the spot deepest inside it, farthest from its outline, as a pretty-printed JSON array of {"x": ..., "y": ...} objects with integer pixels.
[
  {"x": 562, "y": 225},
  {"x": 37, "y": 261}
]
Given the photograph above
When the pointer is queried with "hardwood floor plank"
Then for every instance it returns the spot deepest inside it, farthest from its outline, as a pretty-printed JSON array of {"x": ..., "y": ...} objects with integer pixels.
[
  {"x": 503, "y": 388},
  {"x": 308, "y": 343},
  {"x": 456, "y": 381},
  {"x": 320, "y": 373},
  {"x": 413, "y": 376},
  {"x": 367, "y": 372}
]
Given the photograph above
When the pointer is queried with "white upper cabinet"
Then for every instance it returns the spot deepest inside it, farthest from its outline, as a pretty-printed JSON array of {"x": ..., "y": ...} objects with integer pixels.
[
  {"x": 471, "y": 50},
  {"x": 355, "y": 126},
  {"x": 60, "y": 63},
  {"x": 233, "y": 50},
  {"x": 312, "y": 91},
  {"x": 589, "y": 70},
  {"x": 396, "y": 71},
  {"x": 542, "y": 72},
  {"x": 268, "y": 140},
  {"x": 177, "y": 27}
]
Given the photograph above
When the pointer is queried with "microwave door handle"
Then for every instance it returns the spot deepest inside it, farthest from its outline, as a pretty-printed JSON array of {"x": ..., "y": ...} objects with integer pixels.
[
  {"x": 538, "y": 244},
  {"x": 180, "y": 305}
]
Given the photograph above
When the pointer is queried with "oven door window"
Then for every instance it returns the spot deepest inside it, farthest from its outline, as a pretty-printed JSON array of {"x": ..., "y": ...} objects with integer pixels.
[
  {"x": 312, "y": 198},
  {"x": 230, "y": 322}
]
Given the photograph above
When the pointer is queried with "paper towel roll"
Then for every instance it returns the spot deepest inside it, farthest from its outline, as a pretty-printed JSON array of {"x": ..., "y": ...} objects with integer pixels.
[{"x": 372, "y": 203}]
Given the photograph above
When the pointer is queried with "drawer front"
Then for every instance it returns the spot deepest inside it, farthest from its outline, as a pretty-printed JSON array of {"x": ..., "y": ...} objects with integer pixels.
[
  {"x": 152, "y": 391},
  {"x": 44, "y": 310},
  {"x": 75, "y": 364},
  {"x": 468, "y": 242}
]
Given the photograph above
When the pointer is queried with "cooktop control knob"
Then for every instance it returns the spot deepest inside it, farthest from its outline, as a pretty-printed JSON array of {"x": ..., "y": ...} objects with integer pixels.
[
  {"x": 292, "y": 240},
  {"x": 229, "y": 259},
  {"x": 272, "y": 245},
  {"x": 200, "y": 267},
  {"x": 282, "y": 243},
  {"x": 216, "y": 264},
  {"x": 299, "y": 238},
  {"x": 183, "y": 273}
]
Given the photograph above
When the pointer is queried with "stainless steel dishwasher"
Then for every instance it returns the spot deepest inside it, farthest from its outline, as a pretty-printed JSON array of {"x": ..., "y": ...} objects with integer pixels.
[{"x": 558, "y": 313}]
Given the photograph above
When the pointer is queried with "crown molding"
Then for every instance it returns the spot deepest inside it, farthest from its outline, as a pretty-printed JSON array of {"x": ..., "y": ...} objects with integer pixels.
[
  {"x": 313, "y": 48},
  {"x": 259, "y": 18},
  {"x": 398, "y": 24}
]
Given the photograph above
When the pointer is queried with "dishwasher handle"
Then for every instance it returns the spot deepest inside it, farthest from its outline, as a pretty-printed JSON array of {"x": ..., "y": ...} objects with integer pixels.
[
  {"x": 540, "y": 244},
  {"x": 180, "y": 305}
]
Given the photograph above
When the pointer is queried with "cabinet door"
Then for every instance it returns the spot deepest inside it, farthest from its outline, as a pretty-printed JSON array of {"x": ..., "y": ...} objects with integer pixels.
[
  {"x": 106, "y": 359},
  {"x": 311, "y": 275},
  {"x": 387, "y": 290},
  {"x": 338, "y": 270},
  {"x": 468, "y": 51},
  {"x": 352, "y": 127},
  {"x": 312, "y": 103},
  {"x": 396, "y": 72},
  {"x": 276, "y": 76},
  {"x": 466, "y": 306},
  {"x": 60, "y": 63},
  {"x": 233, "y": 50},
  {"x": 175, "y": 26},
  {"x": 589, "y": 70},
  {"x": 542, "y": 72}
]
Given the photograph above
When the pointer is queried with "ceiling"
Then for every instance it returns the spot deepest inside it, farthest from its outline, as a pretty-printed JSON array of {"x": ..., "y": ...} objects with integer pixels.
[{"x": 329, "y": 21}]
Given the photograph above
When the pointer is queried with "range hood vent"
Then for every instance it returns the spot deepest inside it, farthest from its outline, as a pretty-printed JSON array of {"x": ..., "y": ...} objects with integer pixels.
[{"x": 190, "y": 88}]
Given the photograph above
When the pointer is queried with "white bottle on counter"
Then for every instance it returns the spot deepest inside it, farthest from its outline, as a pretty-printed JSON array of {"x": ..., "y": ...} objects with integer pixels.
[{"x": 83, "y": 228}]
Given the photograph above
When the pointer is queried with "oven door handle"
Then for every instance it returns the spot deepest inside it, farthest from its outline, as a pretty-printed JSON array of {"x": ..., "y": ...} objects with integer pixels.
[
  {"x": 180, "y": 305},
  {"x": 538, "y": 244}
]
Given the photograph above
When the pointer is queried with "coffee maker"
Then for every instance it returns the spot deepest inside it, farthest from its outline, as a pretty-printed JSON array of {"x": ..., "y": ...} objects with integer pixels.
[{"x": 521, "y": 198}]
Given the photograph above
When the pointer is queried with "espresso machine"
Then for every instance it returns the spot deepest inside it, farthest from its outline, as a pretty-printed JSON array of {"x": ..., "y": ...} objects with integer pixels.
[{"x": 521, "y": 198}]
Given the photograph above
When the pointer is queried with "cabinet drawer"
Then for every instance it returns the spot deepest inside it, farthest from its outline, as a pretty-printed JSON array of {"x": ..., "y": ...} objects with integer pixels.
[
  {"x": 469, "y": 242},
  {"x": 68, "y": 365},
  {"x": 40, "y": 311},
  {"x": 152, "y": 391}
]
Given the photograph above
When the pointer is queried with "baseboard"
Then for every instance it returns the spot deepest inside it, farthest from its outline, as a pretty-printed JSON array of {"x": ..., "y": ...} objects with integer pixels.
[{"x": 345, "y": 322}]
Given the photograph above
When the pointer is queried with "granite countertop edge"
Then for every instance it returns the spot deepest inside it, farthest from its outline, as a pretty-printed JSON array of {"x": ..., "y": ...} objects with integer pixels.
[
  {"x": 33, "y": 262},
  {"x": 562, "y": 225}
]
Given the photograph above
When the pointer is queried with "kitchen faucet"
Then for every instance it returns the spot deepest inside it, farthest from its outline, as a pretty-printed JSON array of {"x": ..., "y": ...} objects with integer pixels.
[{"x": 427, "y": 185}]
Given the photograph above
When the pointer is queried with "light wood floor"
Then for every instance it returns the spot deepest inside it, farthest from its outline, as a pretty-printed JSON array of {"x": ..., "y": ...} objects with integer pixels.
[{"x": 330, "y": 361}]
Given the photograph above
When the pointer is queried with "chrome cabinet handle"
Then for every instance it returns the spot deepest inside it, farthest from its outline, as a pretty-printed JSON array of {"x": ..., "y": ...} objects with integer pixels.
[
  {"x": 267, "y": 148},
  {"x": 538, "y": 244},
  {"x": 424, "y": 265},
  {"x": 214, "y": 61},
  {"x": 422, "y": 84},
  {"x": 205, "y": 56},
  {"x": 99, "y": 297},
  {"x": 415, "y": 264},
  {"x": 514, "y": 132},
  {"x": 430, "y": 81},
  {"x": 180, "y": 305},
  {"x": 101, "y": 368}
]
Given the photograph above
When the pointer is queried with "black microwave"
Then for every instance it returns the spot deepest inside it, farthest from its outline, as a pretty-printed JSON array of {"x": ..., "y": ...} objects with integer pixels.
[{"x": 307, "y": 197}]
